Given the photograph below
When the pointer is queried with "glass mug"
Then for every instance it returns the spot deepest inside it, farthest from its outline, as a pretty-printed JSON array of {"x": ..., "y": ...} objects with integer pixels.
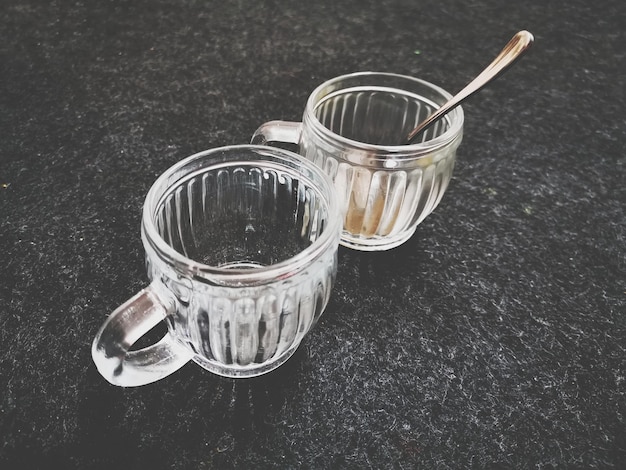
[
  {"x": 354, "y": 127},
  {"x": 241, "y": 250}
]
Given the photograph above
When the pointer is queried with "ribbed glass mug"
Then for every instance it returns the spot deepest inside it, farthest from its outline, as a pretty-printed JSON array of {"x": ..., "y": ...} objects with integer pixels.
[
  {"x": 241, "y": 250},
  {"x": 354, "y": 127}
]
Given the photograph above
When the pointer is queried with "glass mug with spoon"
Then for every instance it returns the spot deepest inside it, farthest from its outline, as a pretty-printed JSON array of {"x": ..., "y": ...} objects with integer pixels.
[
  {"x": 241, "y": 250},
  {"x": 389, "y": 142},
  {"x": 353, "y": 127}
]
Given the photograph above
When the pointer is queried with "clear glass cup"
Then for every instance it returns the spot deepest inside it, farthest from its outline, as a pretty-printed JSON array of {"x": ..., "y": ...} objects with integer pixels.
[
  {"x": 241, "y": 250},
  {"x": 353, "y": 127}
]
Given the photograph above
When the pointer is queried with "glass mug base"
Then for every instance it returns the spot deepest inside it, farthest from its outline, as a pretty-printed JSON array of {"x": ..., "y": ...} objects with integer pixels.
[
  {"x": 374, "y": 243},
  {"x": 244, "y": 372}
]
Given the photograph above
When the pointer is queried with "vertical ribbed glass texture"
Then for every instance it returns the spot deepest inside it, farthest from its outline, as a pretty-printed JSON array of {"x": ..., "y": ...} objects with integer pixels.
[
  {"x": 354, "y": 128},
  {"x": 257, "y": 238}
]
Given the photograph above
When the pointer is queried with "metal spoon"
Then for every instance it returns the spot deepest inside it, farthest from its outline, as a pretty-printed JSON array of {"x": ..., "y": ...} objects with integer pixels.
[{"x": 511, "y": 52}]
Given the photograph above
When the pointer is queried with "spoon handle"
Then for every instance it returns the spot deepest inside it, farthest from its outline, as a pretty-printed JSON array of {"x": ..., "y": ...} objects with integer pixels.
[{"x": 511, "y": 52}]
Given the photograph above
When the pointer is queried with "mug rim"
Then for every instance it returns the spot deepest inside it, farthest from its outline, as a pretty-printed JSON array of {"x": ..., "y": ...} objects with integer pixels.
[
  {"x": 241, "y": 276},
  {"x": 455, "y": 118}
]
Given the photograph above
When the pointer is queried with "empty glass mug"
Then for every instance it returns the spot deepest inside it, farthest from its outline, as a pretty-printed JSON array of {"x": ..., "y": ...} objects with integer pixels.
[
  {"x": 241, "y": 250},
  {"x": 354, "y": 127}
]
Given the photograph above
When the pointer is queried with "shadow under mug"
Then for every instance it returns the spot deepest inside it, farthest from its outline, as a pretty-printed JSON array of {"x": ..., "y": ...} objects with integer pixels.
[
  {"x": 353, "y": 128},
  {"x": 241, "y": 250}
]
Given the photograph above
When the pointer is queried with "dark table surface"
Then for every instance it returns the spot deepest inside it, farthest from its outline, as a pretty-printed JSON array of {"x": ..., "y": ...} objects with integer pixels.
[{"x": 494, "y": 337}]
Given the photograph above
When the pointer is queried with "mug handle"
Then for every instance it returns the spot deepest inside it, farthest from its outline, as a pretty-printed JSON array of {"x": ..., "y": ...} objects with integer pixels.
[
  {"x": 129, "y": 322},
  {"x": 277, "y": 131}
]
